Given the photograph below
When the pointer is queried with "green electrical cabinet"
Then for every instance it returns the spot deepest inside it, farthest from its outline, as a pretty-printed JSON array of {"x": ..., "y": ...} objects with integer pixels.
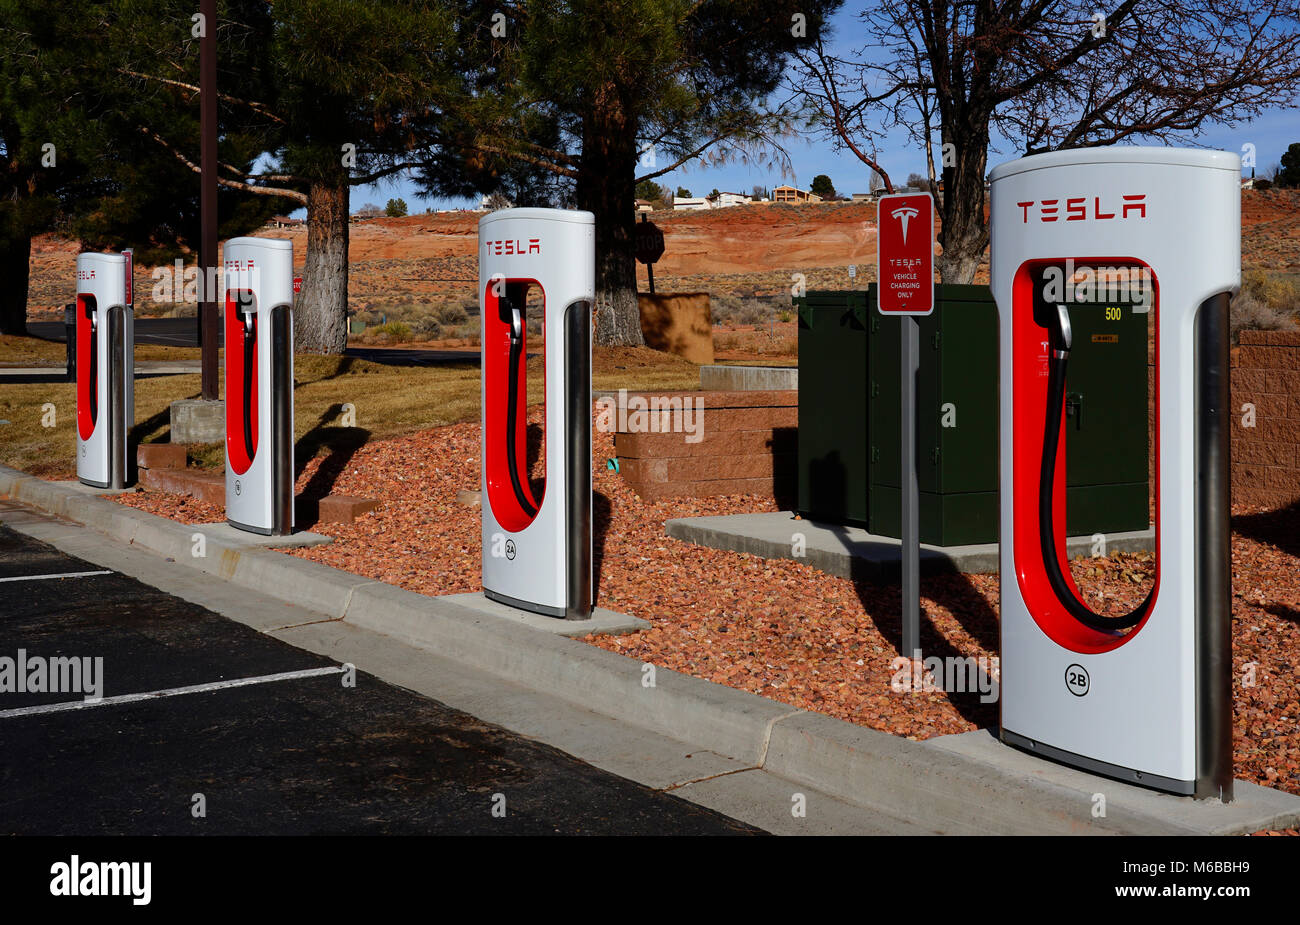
[
  {"x": 849, "y": 414},
  {"x": 956, "y": 419},
  {"x": 1107, "y": 433},
  {"x": 833, "y": 407}
]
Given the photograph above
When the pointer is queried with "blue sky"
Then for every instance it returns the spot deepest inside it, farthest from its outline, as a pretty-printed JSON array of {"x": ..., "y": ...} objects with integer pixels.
[{"x": 1271, "y": 133}]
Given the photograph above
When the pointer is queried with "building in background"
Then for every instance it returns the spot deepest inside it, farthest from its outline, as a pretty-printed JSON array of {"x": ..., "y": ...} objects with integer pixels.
[{"x": 794, "y": 196}]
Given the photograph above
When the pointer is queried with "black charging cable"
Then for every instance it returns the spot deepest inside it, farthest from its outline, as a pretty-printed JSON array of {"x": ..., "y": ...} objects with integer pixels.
[
  {"x": 1060, "y": 346},
  {"x": 91, "y": 316},
  {"x": 250, "y": 342},
  {"x": 512, "y": 401}
]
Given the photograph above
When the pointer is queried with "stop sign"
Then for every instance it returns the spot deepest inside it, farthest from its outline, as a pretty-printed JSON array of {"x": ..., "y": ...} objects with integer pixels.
[{"x": 649, "y": 241}]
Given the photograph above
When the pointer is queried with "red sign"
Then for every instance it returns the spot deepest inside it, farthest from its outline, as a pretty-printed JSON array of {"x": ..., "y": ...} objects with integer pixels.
[
  {"x": 297, "y": 284},
  {"x": 649, "y": 242},
  {"x": 905, "y": 254}
]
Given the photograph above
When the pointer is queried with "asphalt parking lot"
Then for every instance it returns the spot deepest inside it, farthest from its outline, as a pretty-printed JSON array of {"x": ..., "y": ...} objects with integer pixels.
[{"x": 260, "y": 736}]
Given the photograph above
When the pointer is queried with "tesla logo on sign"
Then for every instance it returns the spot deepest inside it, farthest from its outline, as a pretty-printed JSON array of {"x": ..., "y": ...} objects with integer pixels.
[
  {"x": 1079, "y": 209},
  {"x": 904, "y": 216},
  {"x": 905, "y": 254}
]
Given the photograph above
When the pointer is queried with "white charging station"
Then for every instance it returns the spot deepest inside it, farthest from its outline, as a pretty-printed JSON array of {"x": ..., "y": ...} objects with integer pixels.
[
  {"x": 1145, "y": 696},
  {"x": 105, "y": 361},
  {"x": 538, "y": 266},
  {"x": 259, "y": 385}
]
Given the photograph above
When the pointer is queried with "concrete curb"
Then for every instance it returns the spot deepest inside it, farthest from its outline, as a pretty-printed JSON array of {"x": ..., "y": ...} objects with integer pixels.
[
  {"x": 852, "y": 552},
  {"x": 956, "y": 784}
]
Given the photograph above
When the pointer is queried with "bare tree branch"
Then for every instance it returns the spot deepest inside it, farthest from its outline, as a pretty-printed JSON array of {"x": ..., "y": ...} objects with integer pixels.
[{"x": 229, "y": 184}]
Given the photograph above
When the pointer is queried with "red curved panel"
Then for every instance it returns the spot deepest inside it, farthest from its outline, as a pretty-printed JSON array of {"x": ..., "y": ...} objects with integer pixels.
[
  {"x": 87, "y": 410},
  {"x": 238, "y": 405},
  {"x": 1029, "y": 371},
  {"x": 507, "y": 510}
]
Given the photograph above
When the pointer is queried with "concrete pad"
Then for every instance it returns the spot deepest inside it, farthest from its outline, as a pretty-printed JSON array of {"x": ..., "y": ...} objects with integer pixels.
[
  {"x": 602, "y": 623},
  {"x": 852, "y": 552},
  {"x": 767, "y": 801},
  {"x": 1252, "y": 809},
  {"x": 82, "y": 488},
  {"x": 233, "y": 536}
]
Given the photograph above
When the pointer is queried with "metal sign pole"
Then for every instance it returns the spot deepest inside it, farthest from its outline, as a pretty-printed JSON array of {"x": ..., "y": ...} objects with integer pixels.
[
  {"x": 911, "y": 548},
  {"x": 905, "y": 287}
]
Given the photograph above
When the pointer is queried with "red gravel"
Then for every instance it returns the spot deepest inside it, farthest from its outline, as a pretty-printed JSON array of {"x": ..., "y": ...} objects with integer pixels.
[{"x": 775, "y": 627}]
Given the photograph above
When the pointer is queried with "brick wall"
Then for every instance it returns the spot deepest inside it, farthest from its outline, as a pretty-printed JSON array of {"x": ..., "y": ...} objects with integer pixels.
[
  {"x": 747, "y": 446},
  {"x": 750, "y": 438},
  {"x": 1266, "y": 457}
]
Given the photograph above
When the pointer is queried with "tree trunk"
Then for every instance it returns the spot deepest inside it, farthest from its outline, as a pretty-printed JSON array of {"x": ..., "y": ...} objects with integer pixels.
[
  {"x": 606, "y": 187},
  {"x": 15, "y": 268},
  {"x": 321, "y": 323},
  {"x": 964, "y": 233}
]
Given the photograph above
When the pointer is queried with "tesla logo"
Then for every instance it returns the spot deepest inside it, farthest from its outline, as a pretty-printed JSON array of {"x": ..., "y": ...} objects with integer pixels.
[
  {"x": 1078, "y": 208},
  {"x": 905, "y": 215},
  {"x": 512, "y": 248},
  {"x": 85, "y": 274}
]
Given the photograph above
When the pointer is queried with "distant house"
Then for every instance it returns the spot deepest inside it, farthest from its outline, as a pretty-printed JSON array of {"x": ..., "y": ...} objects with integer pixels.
[
  {"x": 726, "y": 200},
  {"x": 283, "y": 221},
  {"x": 691, "y": 204},
  {"x": 794, "y": 196},
  {"x": 862, "y": 197}
]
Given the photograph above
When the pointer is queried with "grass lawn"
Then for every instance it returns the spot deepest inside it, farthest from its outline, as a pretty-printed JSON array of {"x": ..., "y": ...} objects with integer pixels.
[
  {"x": 387, "y": 400},
  {"x": 32, "y": 351}
]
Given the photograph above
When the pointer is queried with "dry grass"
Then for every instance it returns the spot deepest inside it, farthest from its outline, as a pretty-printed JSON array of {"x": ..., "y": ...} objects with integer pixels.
[
  {"x": 387, "y": 401},
  {"x": 1267, "y": 302},
  {"x": 27, "y": 443},
  {"x": 32, "y": 351}
]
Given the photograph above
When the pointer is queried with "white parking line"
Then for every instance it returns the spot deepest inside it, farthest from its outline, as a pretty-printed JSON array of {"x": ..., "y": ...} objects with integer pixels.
[
  {"x": 59, "y": 575},
  {"x": 170, "y": 692}
]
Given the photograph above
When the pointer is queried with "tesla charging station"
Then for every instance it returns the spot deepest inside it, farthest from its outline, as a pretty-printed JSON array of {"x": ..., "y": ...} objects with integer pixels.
[
  {"x": 1145, "y": 696},
  {"x": 259, "y": 385},
  {"x": 538, "y": 266},
  {"x": 105, "y": 352}
]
